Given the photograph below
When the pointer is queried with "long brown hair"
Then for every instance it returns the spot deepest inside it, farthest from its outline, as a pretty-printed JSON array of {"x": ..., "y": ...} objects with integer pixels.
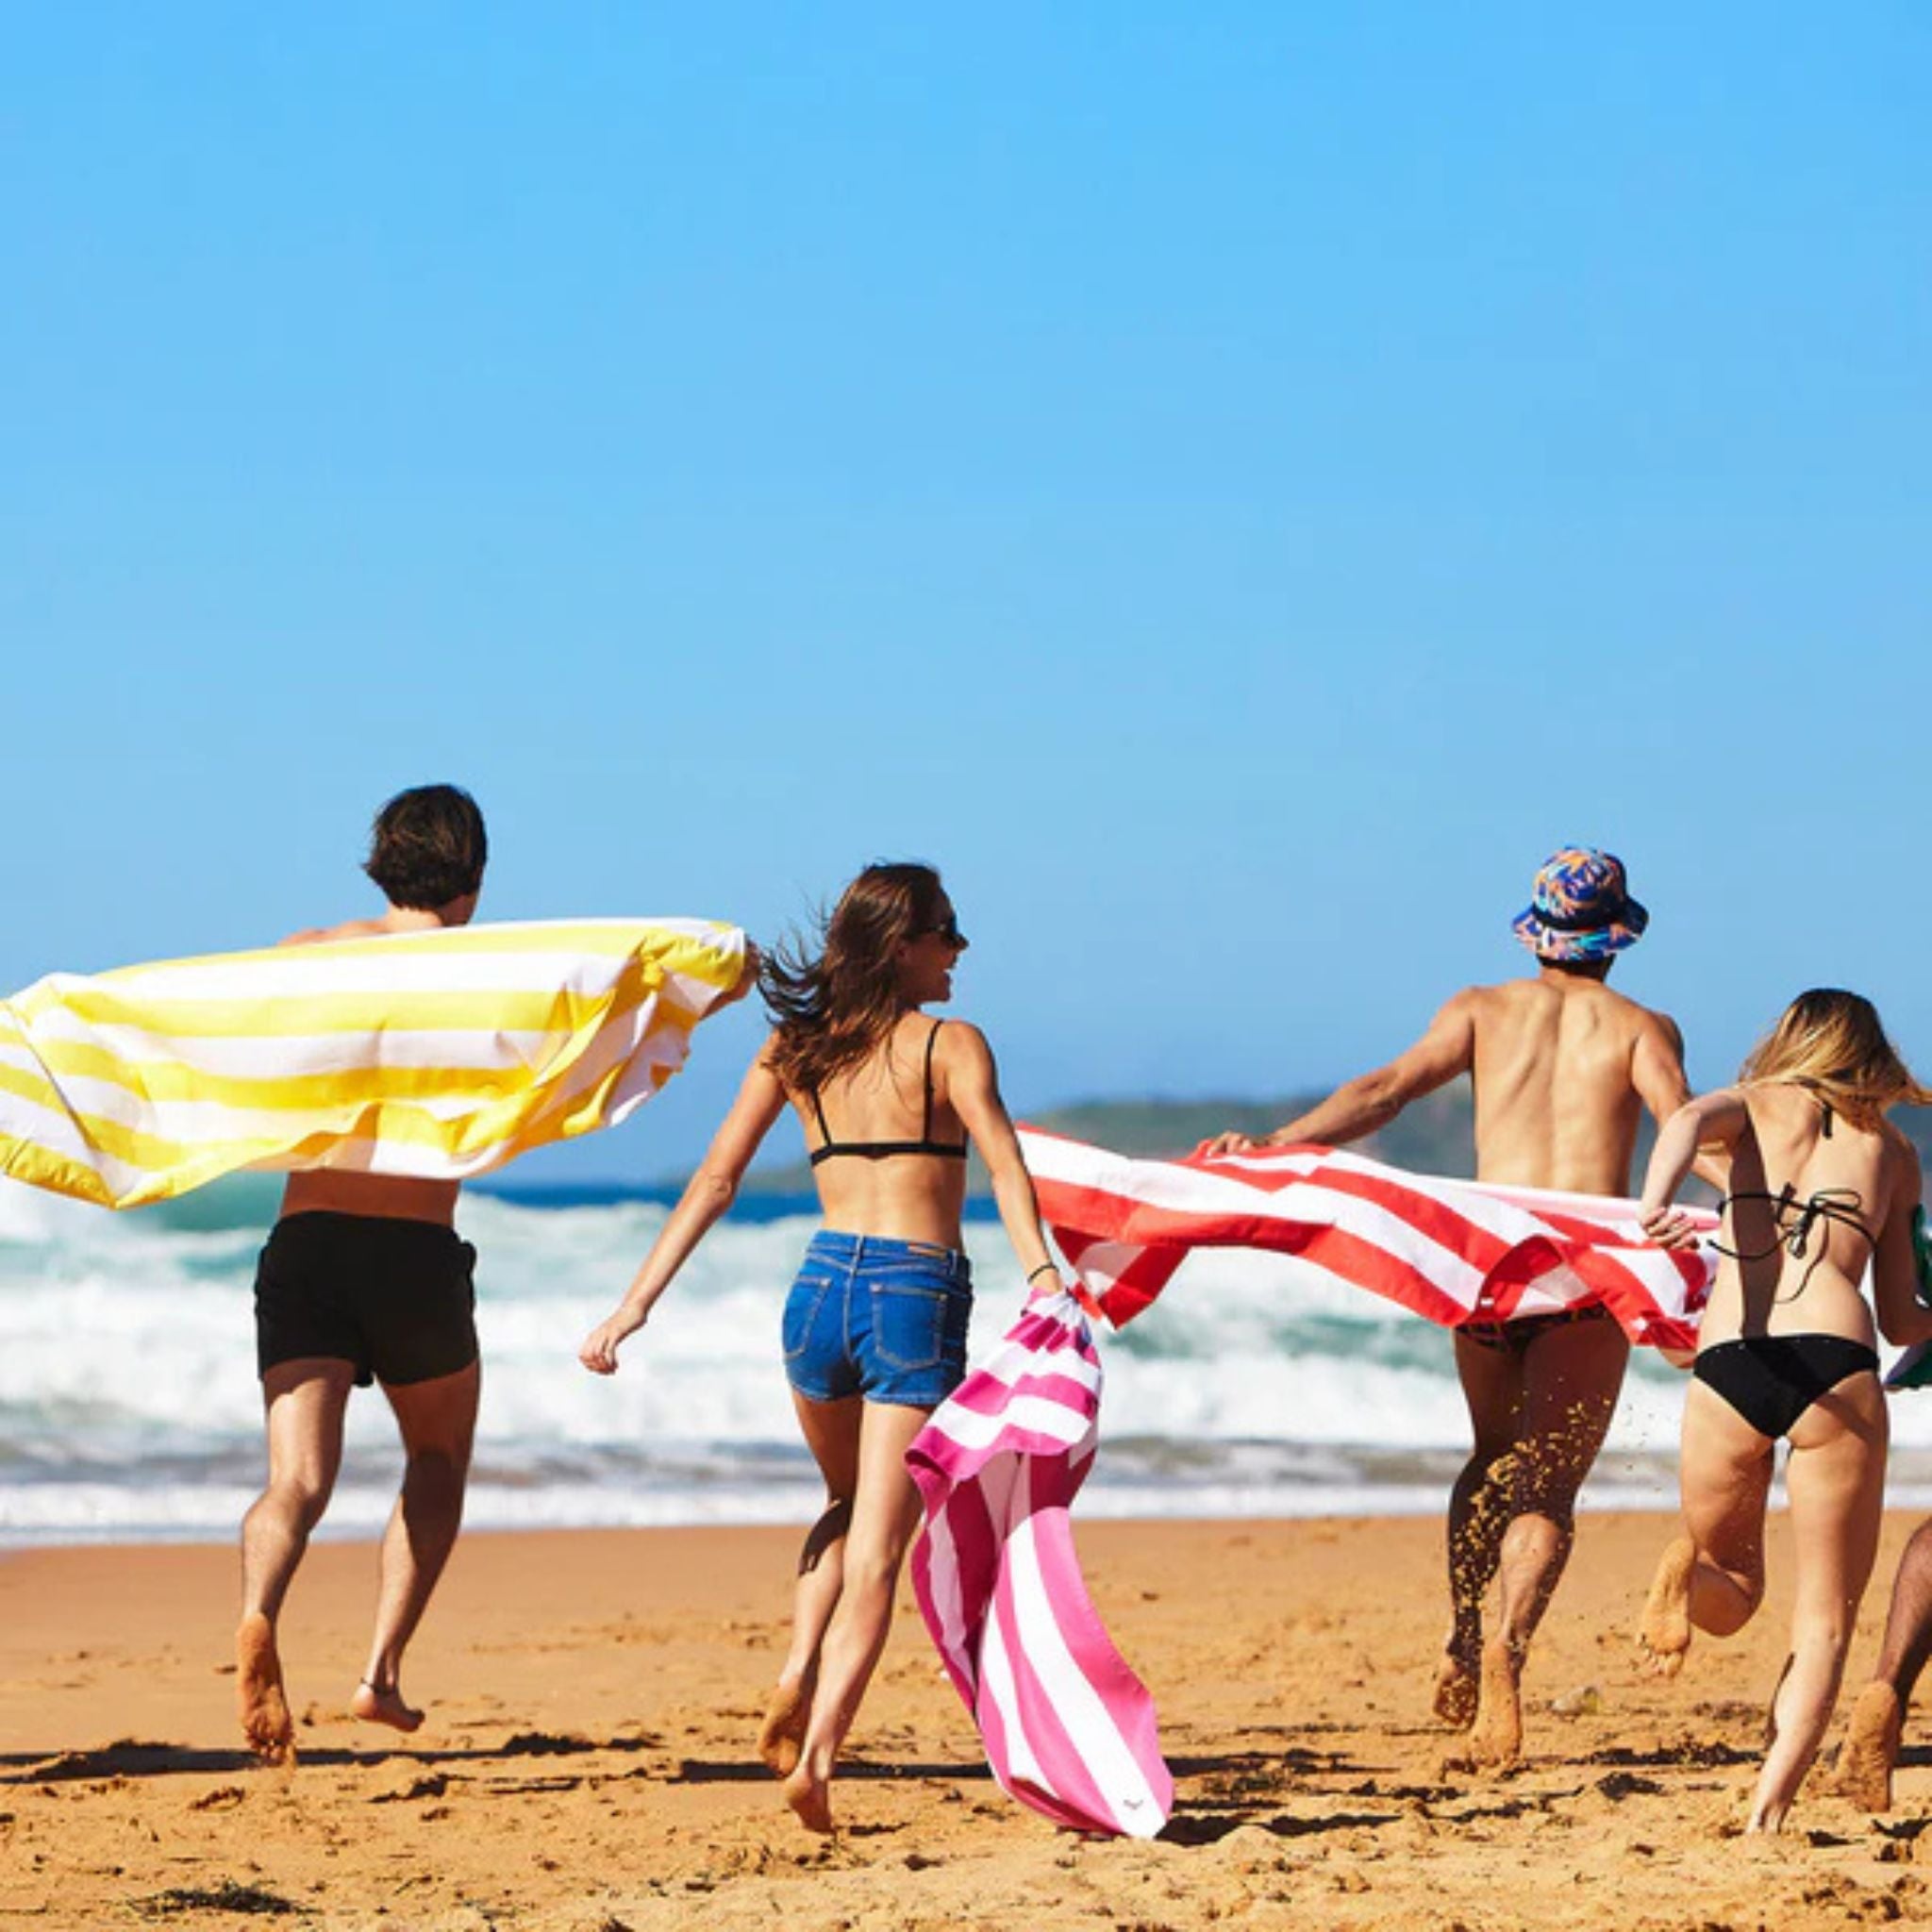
[
  {"x": 830, "y": 1008},
  {"x": 1834, "y": 1045}
]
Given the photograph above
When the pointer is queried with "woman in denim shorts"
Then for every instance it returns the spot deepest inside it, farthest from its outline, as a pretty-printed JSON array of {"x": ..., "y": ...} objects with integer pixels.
[{"x": 874, "y": 1327}]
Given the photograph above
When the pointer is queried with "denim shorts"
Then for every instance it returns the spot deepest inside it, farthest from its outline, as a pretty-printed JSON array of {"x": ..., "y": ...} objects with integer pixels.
[{"x": 882, "y": 1319}]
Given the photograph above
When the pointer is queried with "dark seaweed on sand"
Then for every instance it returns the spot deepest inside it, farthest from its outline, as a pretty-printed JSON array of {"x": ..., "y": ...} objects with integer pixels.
[{"x": 225, "y": 1897}]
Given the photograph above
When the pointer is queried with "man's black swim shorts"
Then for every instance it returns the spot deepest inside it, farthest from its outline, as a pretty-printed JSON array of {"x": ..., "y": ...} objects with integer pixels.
[{"x": 394, "y": 1297}]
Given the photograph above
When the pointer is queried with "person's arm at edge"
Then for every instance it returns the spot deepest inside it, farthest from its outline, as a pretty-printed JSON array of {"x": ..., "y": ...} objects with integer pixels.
[
  {"x": 1372, "y": 1100},
  {"x": 1712, "y": 1120},
  {"x": 1656, "y": 1071},
  {"x": 1902, "y": 1319},
  {"x": 706, "y": 1196},
  {"x": 972, "y": 1086}
]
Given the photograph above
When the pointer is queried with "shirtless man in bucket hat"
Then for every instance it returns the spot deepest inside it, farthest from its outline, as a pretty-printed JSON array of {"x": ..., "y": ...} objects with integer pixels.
[{"x": 1561, "y": 1066}]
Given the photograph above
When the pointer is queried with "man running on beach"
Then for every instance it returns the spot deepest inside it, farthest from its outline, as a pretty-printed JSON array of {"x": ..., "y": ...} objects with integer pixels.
[
  {"x": 363, "y": 1279},
  {"x": 1560, "y": 1065}
]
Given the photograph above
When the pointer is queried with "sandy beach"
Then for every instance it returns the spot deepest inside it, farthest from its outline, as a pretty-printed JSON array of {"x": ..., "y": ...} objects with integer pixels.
[{"x": 587, "y": 1765}]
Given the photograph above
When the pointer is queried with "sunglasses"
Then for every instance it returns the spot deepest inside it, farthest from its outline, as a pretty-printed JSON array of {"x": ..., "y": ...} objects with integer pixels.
[{"x": 949, "y": 932}]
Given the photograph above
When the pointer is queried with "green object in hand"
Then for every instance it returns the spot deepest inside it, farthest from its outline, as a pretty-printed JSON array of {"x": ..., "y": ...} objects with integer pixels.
[{"x": 1913, "y": 1369}]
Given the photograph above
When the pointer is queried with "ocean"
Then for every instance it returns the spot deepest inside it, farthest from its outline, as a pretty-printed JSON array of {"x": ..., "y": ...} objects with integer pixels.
[{"x": 129, "y": 1407}]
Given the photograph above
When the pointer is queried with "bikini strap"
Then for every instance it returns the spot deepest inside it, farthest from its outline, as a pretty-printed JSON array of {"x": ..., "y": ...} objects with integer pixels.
[
  {"x": 1840, "y": 1204},
  {"x": 931, "y": 1041},
  {"x": 1828, "y": 1204},
  {"x": 817, "y": 1107}
]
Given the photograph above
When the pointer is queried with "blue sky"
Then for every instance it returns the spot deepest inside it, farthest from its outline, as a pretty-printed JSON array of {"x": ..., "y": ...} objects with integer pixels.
[{"x": 1234, "y": 487}]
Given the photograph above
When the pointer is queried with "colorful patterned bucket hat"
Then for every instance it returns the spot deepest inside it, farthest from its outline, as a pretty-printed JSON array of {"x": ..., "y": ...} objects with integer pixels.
[{"x": 1581, "y": 908}]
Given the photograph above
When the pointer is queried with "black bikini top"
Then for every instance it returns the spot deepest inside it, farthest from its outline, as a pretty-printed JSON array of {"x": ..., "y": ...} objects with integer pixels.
[
  {"x": 1840, "y": 1204},
  {"x": 882, "y": 1150}
]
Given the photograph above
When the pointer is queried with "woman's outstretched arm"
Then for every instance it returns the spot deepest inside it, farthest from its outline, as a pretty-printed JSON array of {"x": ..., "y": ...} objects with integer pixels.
[
  {"x": 1711, "y": 1121},
  {"x": 706, "y": 1196},
  {"x": 972, "y": 1086}
]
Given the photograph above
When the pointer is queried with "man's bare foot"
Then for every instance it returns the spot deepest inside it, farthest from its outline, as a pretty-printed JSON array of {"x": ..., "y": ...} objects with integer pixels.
[
  {"x": 1455, "y": 1692},
  {"x": 782, "y": 1733},
  {"x": 264, "y": 1707},
  {"x": 1664, "y": 1632},
  {"x": 375, "y": 1706},
  {"x": 1495, "y": 1741},
  {"x": 1870, "y": 1748},
  {"x": 811, "y": 1797}
]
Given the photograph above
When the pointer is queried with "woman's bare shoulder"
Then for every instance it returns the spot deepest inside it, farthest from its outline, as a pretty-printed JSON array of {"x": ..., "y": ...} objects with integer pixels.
[{"x": 956, "y": 1040}]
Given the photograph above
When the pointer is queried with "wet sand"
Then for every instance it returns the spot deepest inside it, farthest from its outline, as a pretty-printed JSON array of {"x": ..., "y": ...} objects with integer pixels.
[{"x": 590, "y": 1762}]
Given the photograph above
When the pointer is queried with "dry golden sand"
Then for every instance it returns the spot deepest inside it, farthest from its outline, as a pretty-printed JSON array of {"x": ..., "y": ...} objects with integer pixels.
[{"x": 590, "y": 1763}]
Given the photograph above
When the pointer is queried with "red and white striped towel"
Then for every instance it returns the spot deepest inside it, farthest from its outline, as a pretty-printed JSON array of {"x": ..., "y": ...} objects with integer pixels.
[
  {"x": 1067, "y": 1728},
  {"x": 1454, "y": 1252}
]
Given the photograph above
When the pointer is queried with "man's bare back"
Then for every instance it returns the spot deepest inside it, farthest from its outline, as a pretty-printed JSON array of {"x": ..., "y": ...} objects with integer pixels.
[
  {"x": 1562, "y": 1068},
  {"x": 331, "y": 1191}
]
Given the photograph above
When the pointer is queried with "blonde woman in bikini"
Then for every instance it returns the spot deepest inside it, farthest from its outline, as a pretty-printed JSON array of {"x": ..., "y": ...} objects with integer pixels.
[
  {"x": 1823, "y": 1188},
  {"x": 874, "y": 1327}
]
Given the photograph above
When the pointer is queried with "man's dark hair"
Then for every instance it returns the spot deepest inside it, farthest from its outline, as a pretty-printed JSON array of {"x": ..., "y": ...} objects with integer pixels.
[
  {"x": 1580, "y": 969},
  {"x": 428, "y": 848}
]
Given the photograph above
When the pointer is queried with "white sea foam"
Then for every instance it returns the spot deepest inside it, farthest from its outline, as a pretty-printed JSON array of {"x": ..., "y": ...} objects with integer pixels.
[{"x": 128, "y": 1404}]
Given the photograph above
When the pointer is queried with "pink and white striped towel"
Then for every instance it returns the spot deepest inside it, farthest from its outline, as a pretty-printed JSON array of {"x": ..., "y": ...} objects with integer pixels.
[{"x": 1069, "y": 1729}]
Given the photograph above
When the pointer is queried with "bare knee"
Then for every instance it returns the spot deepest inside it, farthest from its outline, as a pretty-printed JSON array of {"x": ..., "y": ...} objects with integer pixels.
[
  {"x": 1490, "y": 1457},
  {"x": 875, "y": 1566},
  {"x": 436, "y": 1472},
  {"x": 1533, "y": 1534},
  {"x": 297, "y": 1499},
  {"x": 1725, "y": 1611},
  {"x": 1544, "y": 1482},
  {"x": 1822, "y": 1635}
]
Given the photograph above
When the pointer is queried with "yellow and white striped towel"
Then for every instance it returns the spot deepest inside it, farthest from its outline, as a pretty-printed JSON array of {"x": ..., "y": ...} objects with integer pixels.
[{"x": 439, "y": 1054}]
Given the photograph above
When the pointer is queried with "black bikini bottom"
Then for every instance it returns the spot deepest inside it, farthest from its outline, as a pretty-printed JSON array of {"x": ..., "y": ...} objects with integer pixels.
[
  {"x": 1771, "y": 1380},
  {"x": 1514, "y": 1337}
]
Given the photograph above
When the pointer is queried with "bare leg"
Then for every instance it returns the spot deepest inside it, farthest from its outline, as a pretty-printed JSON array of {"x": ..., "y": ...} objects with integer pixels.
[
  {"x": 305, "y": 1400},
  {"x": 1878, "y": 1724},
  {"x": 1835, "y": 1483},
  {"x": 831, "y": 1433},
  {"x": 885, "y": 1513},
  {"x": 1711, "y": 1577},
  {"x": 1478, "y": 1514},
  {"x": 438, "y": 1421},
  {"x": 1572, "y": 1376}
]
